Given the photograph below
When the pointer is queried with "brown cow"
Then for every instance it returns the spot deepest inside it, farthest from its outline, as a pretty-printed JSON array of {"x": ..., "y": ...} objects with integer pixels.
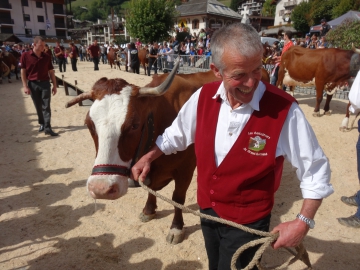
[
  {"x": 112, "y": 57},
  {"x": 325, "y": 69},
  {"x": 144, "y": 61},
  {"x": 125, "y": 121},
  {"x": 12, "y": 63}
]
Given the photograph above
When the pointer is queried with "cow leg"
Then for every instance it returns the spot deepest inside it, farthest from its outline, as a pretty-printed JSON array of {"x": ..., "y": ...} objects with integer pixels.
[
  {"x": 319, "y": 97},
  {"x": 345, "y": 121},
  {"x": 149, "y": 210},
  {"x": 9, "y": 77},
  {"x": 327, "y": 105}
]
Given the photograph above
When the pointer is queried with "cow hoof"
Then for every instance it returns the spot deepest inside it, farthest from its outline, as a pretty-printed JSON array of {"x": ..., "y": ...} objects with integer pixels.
[
  {"x": 9, "y": 81},
  {"x": 316, "y": 114},
  {"x": 146, "y": 218},
  {"x": 175, "y": 236},
  {"x": 328, "y": 113}
]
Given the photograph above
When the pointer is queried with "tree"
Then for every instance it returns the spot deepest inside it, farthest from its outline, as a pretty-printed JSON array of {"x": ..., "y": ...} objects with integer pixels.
[
  {"x": 234, "y": 5},
  {"x": 345, "y": 6},
  {"x": 151, "y": 20},
  {"x": 321, "y": 9},
  {"x": 345, "y": 34},
  {"x": 300, "y": 17},
  {"x": 268, "y": 8}
]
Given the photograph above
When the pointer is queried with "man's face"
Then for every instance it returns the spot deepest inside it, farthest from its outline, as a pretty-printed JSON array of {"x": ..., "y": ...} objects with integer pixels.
[
  {"x": 39, "y": 46},
  {"x": 95, "y": 42},
  {"x": 241, "y": 76},
  {"x": 57, "y": 44}
]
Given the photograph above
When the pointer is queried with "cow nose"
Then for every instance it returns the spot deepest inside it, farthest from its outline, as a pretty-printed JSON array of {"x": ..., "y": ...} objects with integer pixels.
[{"x": 103, "y": 191}]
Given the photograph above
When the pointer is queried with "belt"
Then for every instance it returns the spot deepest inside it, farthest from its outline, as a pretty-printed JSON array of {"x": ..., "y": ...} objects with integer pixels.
[{"x": 38, "y": 81}]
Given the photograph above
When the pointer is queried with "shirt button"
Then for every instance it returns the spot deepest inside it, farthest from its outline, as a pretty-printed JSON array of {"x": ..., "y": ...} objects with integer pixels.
[
  {"x": 213, "y": 204},
  {"x": 230, "y": 133},
  {"x": 214, "y": 177},
  {"x": 211, "y": 192}
]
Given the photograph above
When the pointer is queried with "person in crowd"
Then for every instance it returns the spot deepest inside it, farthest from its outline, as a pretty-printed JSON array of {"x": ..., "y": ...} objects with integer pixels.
[
  {"x": 74, "y": 54},
  {"x": 104, "y": 50},
  {"x": 313, "y": 42},
  {"x": 192, "y": 56},
  {"x": 188, "y": 45},
  {"x": 60, "y": 56},
  {"x": 94, "y": 51},
  {"x": 287, "y": 44},
  {"x": 202, "y": 34},
  {"x": 153, "y": 55},
  {"x": 322, "y": 43},
  {"x": 36, "y": 67},
  {"x": 200, "y": 47},
  {"x": 232, "y": 125},
  {"x": 134, "y": 59},
  {"x": 48, "y": 51},
  {"x": 354, "y": 98},
  {"x": 307, "y": 40},
  {"x": 325, "y": 27},
  {"x": 127, "y": 53},
  {"x": 170, "y": 57},
  {"x": 138, "y": 44}
]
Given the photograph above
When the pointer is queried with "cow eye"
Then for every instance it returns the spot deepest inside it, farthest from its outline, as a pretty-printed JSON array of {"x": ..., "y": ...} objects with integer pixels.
[{"x": 135, "y": 126}]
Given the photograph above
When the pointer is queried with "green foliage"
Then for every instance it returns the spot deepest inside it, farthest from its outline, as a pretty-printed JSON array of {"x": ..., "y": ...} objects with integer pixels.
[
  {"x": 345, "y": 34},
  {"x": 234, "y": 4},
  {"x": 300, "y": 17},
  {"x": 151, "y": 20},
  {"x": 268, "y": 9},
  {"x": 345, "y": 6},
  {"x": 321, "y": 9}
]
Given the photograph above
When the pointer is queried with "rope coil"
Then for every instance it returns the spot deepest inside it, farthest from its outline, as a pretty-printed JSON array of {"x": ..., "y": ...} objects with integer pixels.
[{"x": 266, "y": 241}]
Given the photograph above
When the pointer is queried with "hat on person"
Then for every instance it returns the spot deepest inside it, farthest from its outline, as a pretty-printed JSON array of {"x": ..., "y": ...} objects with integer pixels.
[
  {"x": 308, "y": 34},
  {"x": 323, "y": 20}
]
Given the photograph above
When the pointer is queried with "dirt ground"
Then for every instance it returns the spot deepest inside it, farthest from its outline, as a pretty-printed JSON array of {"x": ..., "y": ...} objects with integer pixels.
[{"x": 48, "y": 221}]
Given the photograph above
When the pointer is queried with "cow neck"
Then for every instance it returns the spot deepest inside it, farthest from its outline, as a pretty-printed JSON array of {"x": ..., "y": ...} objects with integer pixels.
[{"x": 149, "y": 140}]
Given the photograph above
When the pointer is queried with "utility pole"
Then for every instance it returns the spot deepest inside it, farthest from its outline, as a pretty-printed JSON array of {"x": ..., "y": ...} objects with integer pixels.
[{"x": 112, "y": 20}]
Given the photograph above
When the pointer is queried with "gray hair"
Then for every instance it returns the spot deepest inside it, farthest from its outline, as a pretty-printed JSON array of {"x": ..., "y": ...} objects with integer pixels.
[
  {"x": 239, "y": 38},
  {"x": 37, "y": 39}
]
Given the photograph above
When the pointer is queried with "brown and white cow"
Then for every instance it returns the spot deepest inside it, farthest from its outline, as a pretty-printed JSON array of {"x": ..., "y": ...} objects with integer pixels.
[
  {"x": 143, "y": 58},
  {"x": 324, "y": 69},
  {"x": 124, "y": 122}
]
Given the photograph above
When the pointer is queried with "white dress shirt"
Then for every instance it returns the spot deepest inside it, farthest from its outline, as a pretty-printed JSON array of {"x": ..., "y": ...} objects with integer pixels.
[
  {"x": 354, "y": 95},
  {"x": 297, "y": 142}
]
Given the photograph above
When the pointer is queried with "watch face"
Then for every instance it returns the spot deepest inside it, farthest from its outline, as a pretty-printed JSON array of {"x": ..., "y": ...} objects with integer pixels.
[{"x": 312, "y": 224}]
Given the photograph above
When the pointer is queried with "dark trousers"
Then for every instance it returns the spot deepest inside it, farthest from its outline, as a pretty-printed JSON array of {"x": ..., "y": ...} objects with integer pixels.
[
  {"x": 96, "y": 63},
  {"x": 135, "y": 69},
  {"x": 62, "y": 64},
  {"x": 41, "y": 96},
  {"x": 73, "y": 64},
  {"x": 222, "y": 241},
  {"x": 152, "y": 63}
]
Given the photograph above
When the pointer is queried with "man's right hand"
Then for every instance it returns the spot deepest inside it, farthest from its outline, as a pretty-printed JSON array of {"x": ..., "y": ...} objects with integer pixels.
[{"x": 27, "y": 90}]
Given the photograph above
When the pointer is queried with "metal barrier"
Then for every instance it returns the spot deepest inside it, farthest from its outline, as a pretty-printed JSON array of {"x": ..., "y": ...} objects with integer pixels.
[{"x": 188, "y": 63}]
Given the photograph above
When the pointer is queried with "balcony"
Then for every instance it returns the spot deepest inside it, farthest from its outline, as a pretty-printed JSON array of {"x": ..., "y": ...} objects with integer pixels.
[
  {"x": 5, "y": 5},
  {"x": 6, "y": 21},
  {"x": 290, "y": 3},
  {"x": 60, "y": 25},
  {"x": 58, "y": 11}
]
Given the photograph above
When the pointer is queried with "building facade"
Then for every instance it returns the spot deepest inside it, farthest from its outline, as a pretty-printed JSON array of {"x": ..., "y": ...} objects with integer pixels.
[
  {"x": 29, "y": 18},
  {"x": 251, "y": 13},
  {"x": 284, "y": 9}
]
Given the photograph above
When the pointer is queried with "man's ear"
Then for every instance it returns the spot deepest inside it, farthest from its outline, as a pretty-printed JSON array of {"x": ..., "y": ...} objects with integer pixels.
[{"x": 215, "y": 70}]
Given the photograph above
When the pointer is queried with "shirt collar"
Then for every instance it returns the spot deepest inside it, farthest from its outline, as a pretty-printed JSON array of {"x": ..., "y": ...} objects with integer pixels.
[{"x": 254, "y": 103}]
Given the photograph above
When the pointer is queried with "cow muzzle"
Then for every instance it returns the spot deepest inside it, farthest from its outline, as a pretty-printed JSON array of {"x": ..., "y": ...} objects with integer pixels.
[{"x": 108, "y": 182}]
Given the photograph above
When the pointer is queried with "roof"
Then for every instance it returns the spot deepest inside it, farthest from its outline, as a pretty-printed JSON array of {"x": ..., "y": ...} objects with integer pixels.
[
  {"x": 352, "y": 15},
  {"x": 9, "y": 37},
  {"x": 275, "y": 30},
  {"x": 213, "y": 7}
]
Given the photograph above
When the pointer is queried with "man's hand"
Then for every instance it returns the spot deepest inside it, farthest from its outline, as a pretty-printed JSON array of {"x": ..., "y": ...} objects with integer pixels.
[
  {"x": 27, "y": 90},
  {"x": 54, "y": 90},
  {"x": 141, "y": 169},
  {"x": 290, "y": 233}
]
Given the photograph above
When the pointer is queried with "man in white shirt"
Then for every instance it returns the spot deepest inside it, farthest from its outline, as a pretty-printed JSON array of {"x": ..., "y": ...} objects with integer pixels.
[
  {"x": 243, "y": 129},
  {"x": 354, "y": 98}
]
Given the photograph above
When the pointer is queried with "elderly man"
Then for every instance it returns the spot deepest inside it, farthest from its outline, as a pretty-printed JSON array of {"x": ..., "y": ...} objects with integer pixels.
[
  {"x": 36, "y": 67},
  {"x": 243, "y": 129}
]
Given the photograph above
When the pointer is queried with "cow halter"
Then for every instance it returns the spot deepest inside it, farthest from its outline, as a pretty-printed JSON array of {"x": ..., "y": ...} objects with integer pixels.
[{"x": 113, "y": 169}]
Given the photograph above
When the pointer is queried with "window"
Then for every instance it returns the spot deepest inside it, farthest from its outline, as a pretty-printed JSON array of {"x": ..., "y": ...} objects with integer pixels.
[
  {"x": 28, "y": 33},
  {"x": 41, "y": 19},
  {"x": 39, "y": 4},
  {"x": 42, "y": 33},
  {"x": 24, "y": 3},
  {"x": 6, "y": 29},
  {"x": 195, "y": 24},
  {"x": 26, "y": 17}
]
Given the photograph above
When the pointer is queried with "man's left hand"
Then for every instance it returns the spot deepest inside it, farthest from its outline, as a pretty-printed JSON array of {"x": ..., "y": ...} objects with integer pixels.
[
  {"x": 54, "y": 91},
  {"x": 290, "y": 233}
]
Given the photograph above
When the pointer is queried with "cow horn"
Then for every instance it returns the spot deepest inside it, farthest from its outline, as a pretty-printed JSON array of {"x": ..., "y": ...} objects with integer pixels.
[
  {"x": 354, "y": 49},
  {"x": 161, "y": 89},
  {"x": 79, "y": 98}
]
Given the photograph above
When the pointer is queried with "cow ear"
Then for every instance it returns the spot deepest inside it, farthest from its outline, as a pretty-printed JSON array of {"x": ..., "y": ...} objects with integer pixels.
[{"x": 216, "y": 71}]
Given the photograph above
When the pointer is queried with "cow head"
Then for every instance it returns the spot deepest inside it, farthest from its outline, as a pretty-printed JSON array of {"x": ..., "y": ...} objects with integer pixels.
[{"x": 116, "y": 121}]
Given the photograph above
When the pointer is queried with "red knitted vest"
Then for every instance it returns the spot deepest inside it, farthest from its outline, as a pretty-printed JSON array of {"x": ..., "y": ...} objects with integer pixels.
[{"x": 242, "y": 188}]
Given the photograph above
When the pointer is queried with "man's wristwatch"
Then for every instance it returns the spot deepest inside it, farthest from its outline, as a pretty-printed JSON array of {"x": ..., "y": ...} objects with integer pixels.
[{"x": 310, "y": 222}]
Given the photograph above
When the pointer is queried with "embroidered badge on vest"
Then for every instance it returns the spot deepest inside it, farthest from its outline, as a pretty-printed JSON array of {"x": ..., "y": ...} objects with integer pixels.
[{"x": 257, "y": 143}]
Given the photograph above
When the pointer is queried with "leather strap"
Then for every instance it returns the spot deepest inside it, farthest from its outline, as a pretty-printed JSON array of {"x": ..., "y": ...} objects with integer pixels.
[{"x": 104, "y": 169}]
